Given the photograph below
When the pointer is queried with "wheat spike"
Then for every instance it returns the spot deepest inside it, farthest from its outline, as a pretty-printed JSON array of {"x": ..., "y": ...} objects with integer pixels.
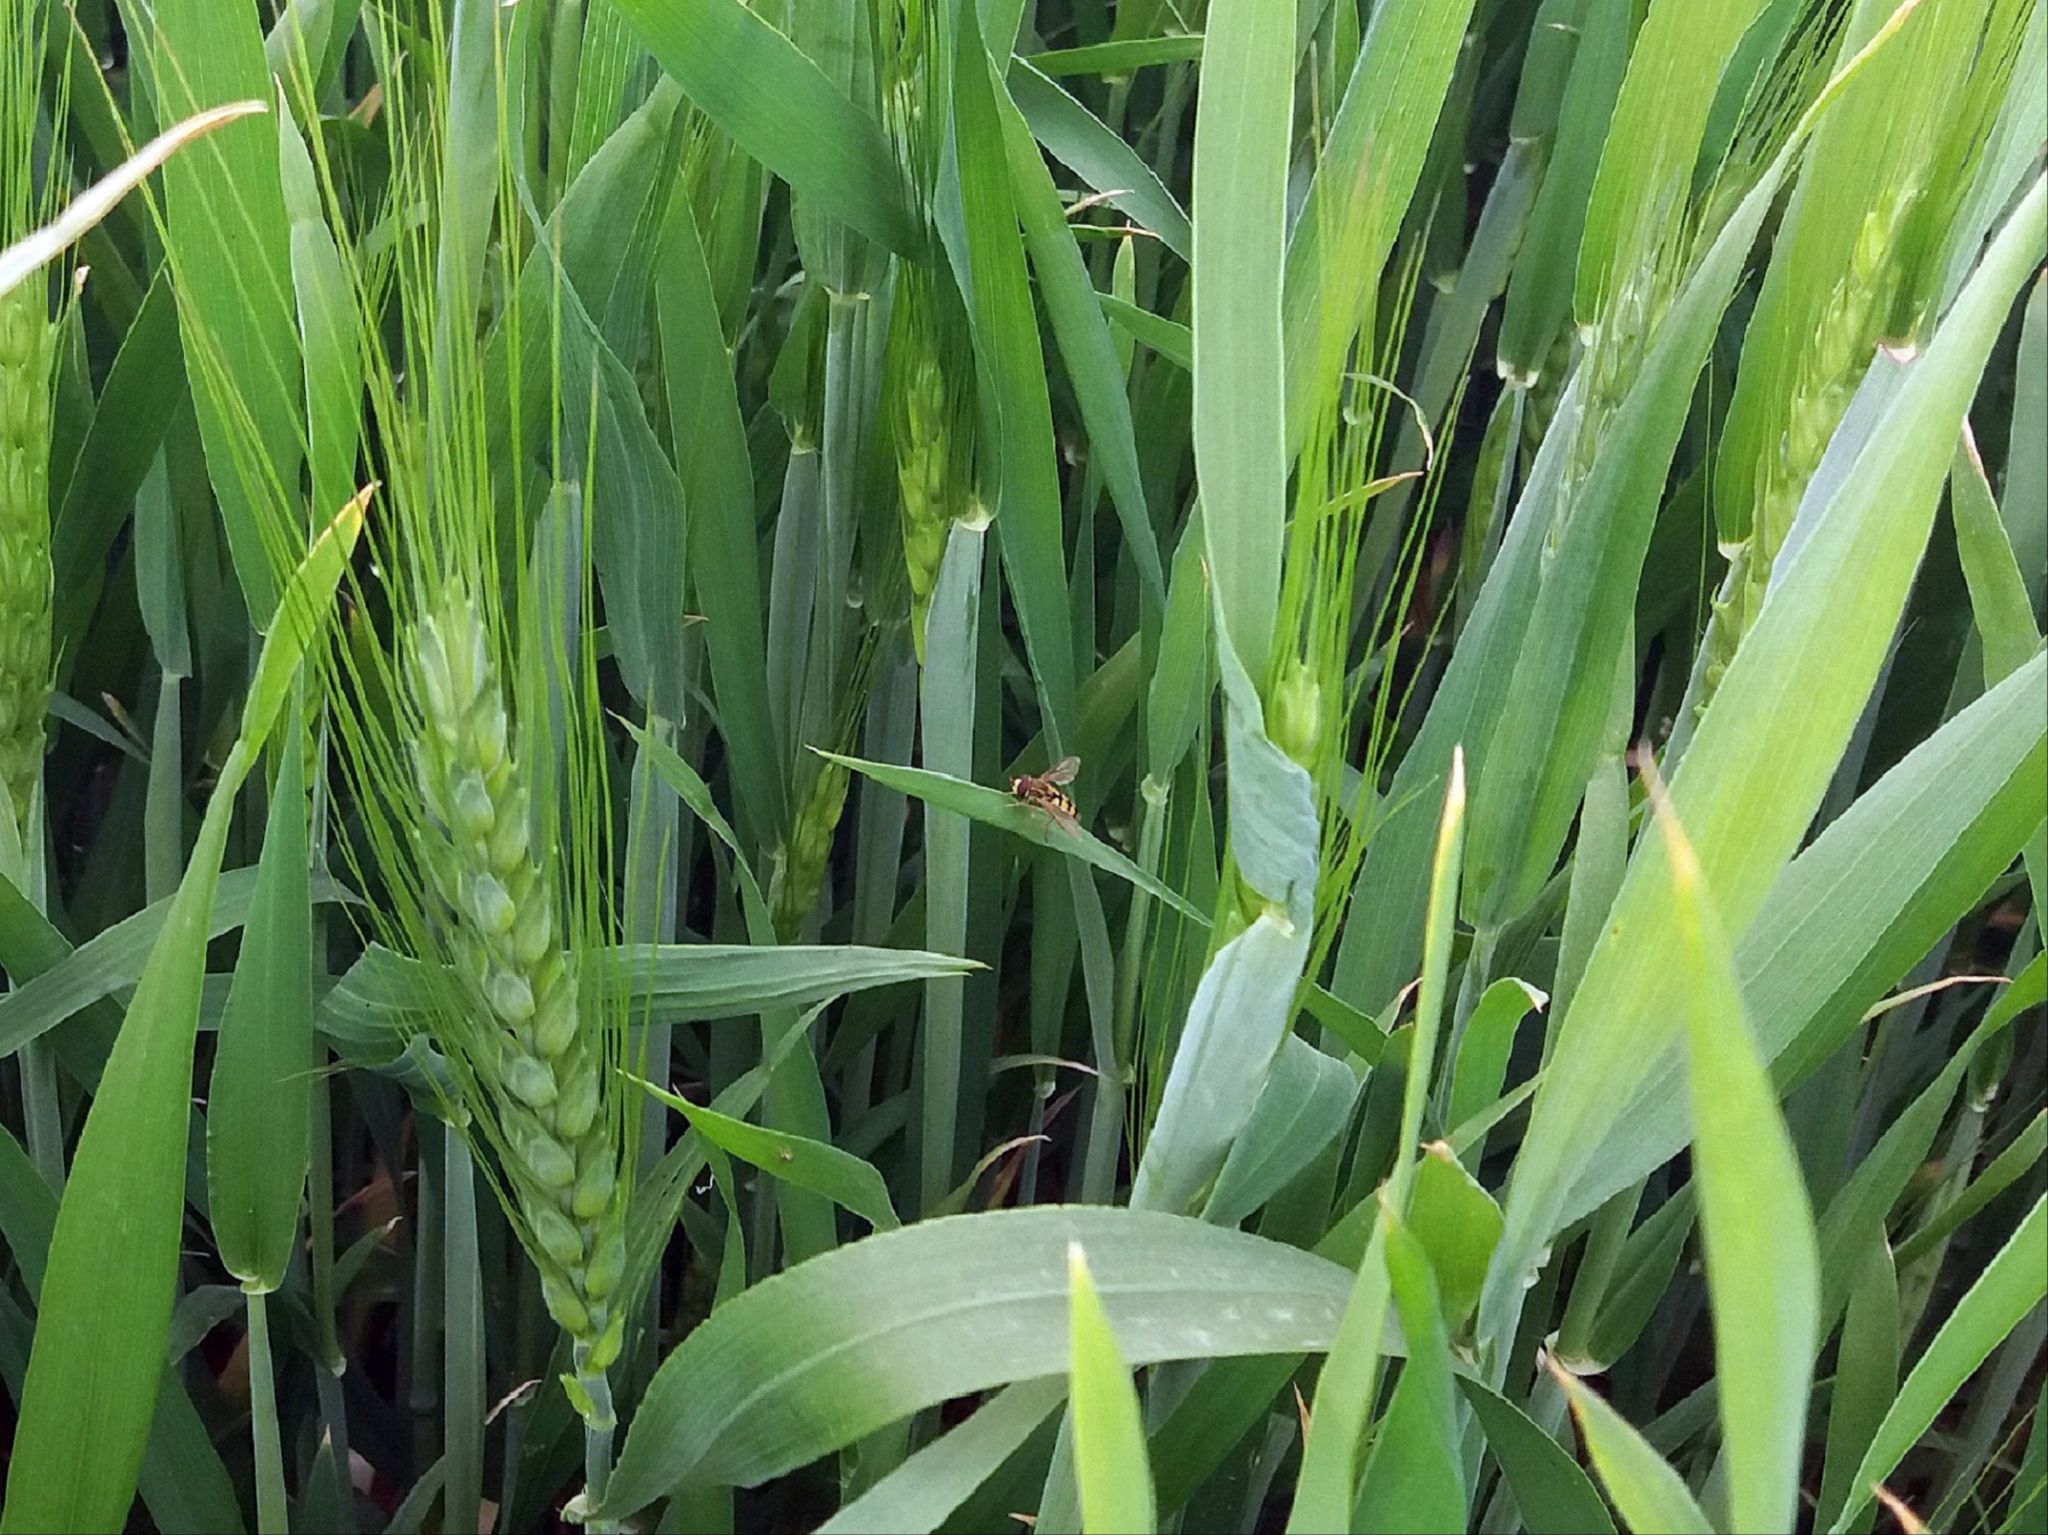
[
  {"x": 25, "y": 352},
  {"x": 533, "y": 1058}
]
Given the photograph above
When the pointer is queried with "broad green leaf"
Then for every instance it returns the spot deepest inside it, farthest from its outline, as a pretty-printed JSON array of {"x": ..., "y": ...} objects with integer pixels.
[
  {"x": 2010, "y": 1286},
  {"x": 1763, "y": 1269},
  {"x": 385, "y": 994},
  {"x": 1489, "y": 1036},
  {"x": 1304, "y": 1104},
  {"x": 1109, "y": 1432},
  {"x": 1457, "y": 1223},
  {"x": 779, "y": 107},
  {"x": 839, "y": 1346},
  {"x": 1650, "y": 1495},
  {"x": 1241, "y": 1012},
  {"x": 1229, "y": 1397},
  {"x": 1554, "y": 1496},
  {"x": 260, "y": 1104},
  {"x": 840, "y": 1176},
  {"x": 92, "y": 1379}
]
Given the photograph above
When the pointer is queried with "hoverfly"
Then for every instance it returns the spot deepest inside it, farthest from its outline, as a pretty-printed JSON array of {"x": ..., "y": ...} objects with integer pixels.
[{"x": 1046, "y": 790}]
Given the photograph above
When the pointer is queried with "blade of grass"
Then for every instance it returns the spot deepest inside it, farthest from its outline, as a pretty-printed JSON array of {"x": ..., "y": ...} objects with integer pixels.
[
  {"x": 1552, "y": 1494},
  {"x": 228, "y": 239},
  {"x": 1765, "y": 749},
  {"x": 182, "y": 1483},
  {"x": 1364, "y": 179},
  {"x": 952, "y": 637},
  {"x": 1650, "y": 1495},
  {"x": 42, "y": 246},
  {"x": 1076, "y": 138},
  {"x": 1763, "y": 1266},
  {"x": 1242, "y": 122},
  {"x": 1168, "y": 338},
  {"x": 780, "y": 108},
  {"x": 1081, "y": 331},
  {"x": 822, "y": 1168},
  {"x": 1856, "y": 910},
  {"x": 1109, "y": 1435},
  {"x": 1324, "y": 1493},
  {"x": 937, "y": 1479},
  {"x": 1412, "y": 1479},
  {"x": 1016, "y": 409},
  {"x": 2005, "y": 1169},
  {"x": 1003, "y": 810},
  {"x": 1117, "y": 57},
  {"x": 718, "y": 487},
  {"x": 2011, "y": 1285},
  {"x": 259, "y": 1107},
  {"x": 1866, "y": 1377}
]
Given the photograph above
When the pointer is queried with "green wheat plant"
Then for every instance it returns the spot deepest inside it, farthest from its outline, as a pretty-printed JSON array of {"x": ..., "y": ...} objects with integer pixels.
[
  {"x": 478, "y": 780},
  {"x": 926, "y": 766}
]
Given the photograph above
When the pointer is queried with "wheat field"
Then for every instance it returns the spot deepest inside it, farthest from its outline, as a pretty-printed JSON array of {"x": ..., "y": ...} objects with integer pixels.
[{"x": 951, "y": 765}]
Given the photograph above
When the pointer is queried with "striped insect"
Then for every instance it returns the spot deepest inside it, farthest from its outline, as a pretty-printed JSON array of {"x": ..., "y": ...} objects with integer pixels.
[{"x": 1047, "y": 791}]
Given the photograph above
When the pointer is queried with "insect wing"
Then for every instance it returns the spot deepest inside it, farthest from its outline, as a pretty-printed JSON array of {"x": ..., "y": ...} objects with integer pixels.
[
  {"x": 1062, "y": 771},
  {"x": 1061, "y": 811}
]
